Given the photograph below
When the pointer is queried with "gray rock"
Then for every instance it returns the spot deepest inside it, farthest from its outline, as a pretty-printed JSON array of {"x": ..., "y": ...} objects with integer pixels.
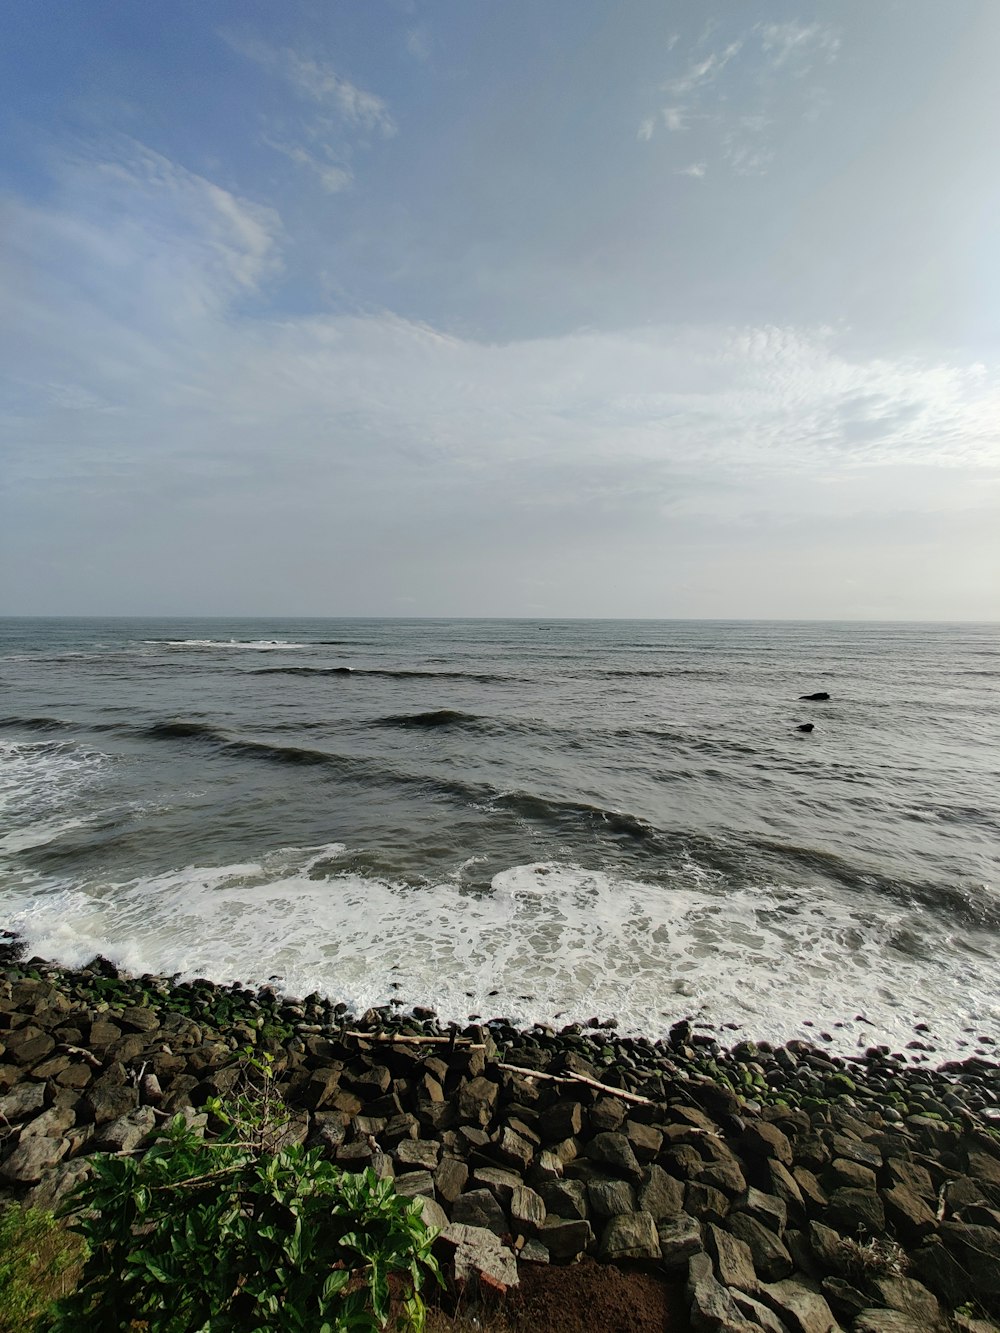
[
  {"x": 477, "y": 1101},
  {"x": 565, "y": 1198},
  {"x": 514, "y": 1149},
  {"x": 977, "y": 1249},
  {"x": 712, "y": 1308},
  {"x": 845, "y": 1300},
  {"x": 478, "y": 1208},
  {"x": 534, "y": 1252},
  {"x": 52, "y": 1123},
  {"x": 24, "y": 1100},
  {"x": 527, "y": 1210},
  {"x": 564, "y": 1120},
  {"x": 630, "y": 1236},
  {"x": 450, "y": 1179},
  {"x": 852, "y": 1211},
  {"x": 431, "y": 1213},
  {"x": 733, "y": 1260},
  {"x": 680, "y": 1239},
  {"x": 911, "y": 1297},
  {"x": 888, "y": 1321},
  {"x": 417, "y": 1153},
  {"x": 609, "y": 1198},
  {"x": 415, "y": 1182},
  {"x": 614, "y": 1151},
  {"x": 565, "y": 1239},
  {"x": 770, "y": 1256},
  {"x": 32, "y": 1158},
  {"x": 500, "y": 1183},
  {"x": 660, "y": 1194},
  {"x": 766, "y": 1140},
  {"x": 711, "y": 1205},
  {"x": 908, "y": 1214},
  {"x": 56, "y": 1183},
  {"x": 764, "y": 1208},
  {"x": 127, "y": 1132},
  {"x": 477, "y": 1254},
  {"x": 799, "y": 1304},
  {"x": 757, "y": 1314},
  {"x": 107, "y": 1099}
]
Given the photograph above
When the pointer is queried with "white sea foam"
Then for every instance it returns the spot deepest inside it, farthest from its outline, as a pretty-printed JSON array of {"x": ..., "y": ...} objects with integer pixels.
[
  {"x": 548, "y": 942},
  {"x": 257, "y": 645}
]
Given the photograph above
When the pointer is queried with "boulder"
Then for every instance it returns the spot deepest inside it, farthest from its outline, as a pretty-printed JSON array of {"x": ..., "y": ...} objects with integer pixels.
[
  {"x": 712, "y": 1307},
  {"x": 565, "y": 1198},
  {"x": 477, "y": 1101},
  {"x": 630, "y": 1236},
  {"x": 527, "y": 1210},
  {"x": 477, "y": 1258},
  {"x": 800, "y": 1304},
  {"x": 610, "y": 1198},
  {"x": 680, "y": 1238},
  {"x": 127, "y": 1132},
  {"x": 770, "y": 1257},
  {"x": 24, "y": 1100},
  {"x": 565, "y": 1239},
  {"x": 660, "y": 1194},
  {"x": 478, "y": 1208},
  {"x": 32, "y": 1158},
  {"x": 614, "y": 1151},
  {"x": 733, "y": 1259}
]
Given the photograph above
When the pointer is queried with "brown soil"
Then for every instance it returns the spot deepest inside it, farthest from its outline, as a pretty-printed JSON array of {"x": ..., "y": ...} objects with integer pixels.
[{"x": 581, "y": 1298}]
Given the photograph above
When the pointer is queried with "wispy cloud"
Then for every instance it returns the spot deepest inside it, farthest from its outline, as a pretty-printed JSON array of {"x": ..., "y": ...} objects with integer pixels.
[
  {"x": 696, "y": 169},
  {"x": 770, "y": 63},
  {"x": 333, "y": 177},
  {"x": 317, "y": 81}
]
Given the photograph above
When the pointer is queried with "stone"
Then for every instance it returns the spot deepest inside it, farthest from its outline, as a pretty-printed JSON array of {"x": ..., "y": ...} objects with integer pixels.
[
  {"x": 514, "y": 1149},
  {"x": 139, "y": 1018},
  {"x": 842, "y": 1171},
  {"x": 645, "y": 1140},
  {"x": 608, "y": 1198},
  {"x": 479, "y": 1208},
  {"x": 680, "y": 1238},
  {"x": 450, "y": 1179},
  {"x": 56, "y": 1183},
  {"x": 415, "y": 1153},
  {"x": 615, "y": 1151},
  {"x": 25, "y": 1100},
  {"x": 413, "y": 1183},
  {"x": 660, "y": 1194},
  {"x": 800, "y": 1304},
  {"x": 766, "y": 1140},
  {"x": 108, "y": 1099},
  {"x": 733, "y": 1259},
  {"x": 127, "y": 1132},
  {"x": 500, "y": 1183},
  {"x": 758, "y": 1315},
  {"x": 911, "y": 1297},
  {"x": 476, "y": 1253},
  {"x": 630, "y": 1236},
  {"x": 712, "y": 1308},
  {"x": 888, "y": 1321},
  {"x": 565, "y": 1198},
  {"x": 28, "y": 1045},
  {"x": 702, "y": 1201},
  {"x": 527, "y": 1209},
  {"x": 477, "y": 1101},
  {"x": 911, "y": 1174},
  {"x": 533, "y": 1252},
  {"x": 938, "y": 1268},
  {"x": 908, "y": 1214},
  {"x": 977, "y": 1249},
  {"x": 724, "y": 1176},
  {"x": 827, "y": 1247},
  {"x": 844, "y": 1299},
  {"x": 564, "y": 1120},
  {"x": 565, "y": 1238},
  {"x": 607, "y": 1115},
  {"x": 770, "y": 1256},
  {"x": 322, "y": 1087},
  {"x": 852, "y": 1211},
  {"x": 32, "y": 1158},
  {"x": 52, "y": 1123},
  {"x": 547, "y": 1166},
  {"x": 431, "y": 1212},
  {"x": 764, "y": 1208}
]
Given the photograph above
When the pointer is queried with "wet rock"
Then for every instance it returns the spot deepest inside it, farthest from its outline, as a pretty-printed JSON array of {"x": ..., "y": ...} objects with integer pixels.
[{"x": 630, "y": 1236}]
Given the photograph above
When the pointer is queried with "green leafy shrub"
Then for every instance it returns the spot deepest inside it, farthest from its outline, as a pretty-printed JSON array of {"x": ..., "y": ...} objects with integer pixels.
[{"x": 242, "y": 1234}]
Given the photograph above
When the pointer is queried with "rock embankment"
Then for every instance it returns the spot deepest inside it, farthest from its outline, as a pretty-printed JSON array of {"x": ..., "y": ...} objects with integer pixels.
[{"x": 791, "y": 1190}]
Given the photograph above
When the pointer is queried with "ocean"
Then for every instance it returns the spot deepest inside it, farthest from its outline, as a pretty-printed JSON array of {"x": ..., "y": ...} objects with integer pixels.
[{"x": 548, "y": 821}]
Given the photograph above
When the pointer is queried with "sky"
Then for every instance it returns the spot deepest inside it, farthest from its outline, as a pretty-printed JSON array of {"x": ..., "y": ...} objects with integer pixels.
[{"x": 460, "y": 307}]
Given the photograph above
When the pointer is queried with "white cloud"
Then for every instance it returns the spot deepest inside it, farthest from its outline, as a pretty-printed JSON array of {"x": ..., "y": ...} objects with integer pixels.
[
  {"x": 674, "y": 117},
  {"x": 645, "y": 131},
  {"x": 798, "y": 44},
  {"x": 332, "y": 176},
  {"x": 696, "y": 169},
  {"x": 318, "y": 81},
  {"x": 141, "y": 384}
]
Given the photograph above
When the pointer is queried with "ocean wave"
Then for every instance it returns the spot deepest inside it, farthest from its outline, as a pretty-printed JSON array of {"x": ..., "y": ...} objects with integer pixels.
[
  {"x": 435, "y": 719},
  {"x": 259, "y": 645},
  {"x": 545, "y": 941},
  {"x": 387, "y": 673}
]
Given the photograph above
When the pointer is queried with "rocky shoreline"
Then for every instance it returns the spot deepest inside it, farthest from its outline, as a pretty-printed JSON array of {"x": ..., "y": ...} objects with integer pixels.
[{"x": 790, "y": 1189}]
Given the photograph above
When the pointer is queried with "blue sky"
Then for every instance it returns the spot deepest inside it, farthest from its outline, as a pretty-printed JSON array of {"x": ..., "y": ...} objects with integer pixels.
[{"x": 480, "y": 308}]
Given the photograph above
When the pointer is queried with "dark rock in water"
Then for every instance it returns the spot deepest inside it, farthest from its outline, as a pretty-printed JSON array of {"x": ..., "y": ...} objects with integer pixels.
[
  {"x": 805, "y": 726},
  {"x": 815, "y": 698}
]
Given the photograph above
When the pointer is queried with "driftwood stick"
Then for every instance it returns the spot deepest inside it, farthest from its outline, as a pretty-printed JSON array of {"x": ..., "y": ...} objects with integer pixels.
[
  {"x": 416, "y": 1041},
  {"x": 580, "y": 1078}
]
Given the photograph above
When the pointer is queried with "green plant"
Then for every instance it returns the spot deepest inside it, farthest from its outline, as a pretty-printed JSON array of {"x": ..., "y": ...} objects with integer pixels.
[
  {"x": 37, "y": 1259},
  {"x": 241, "y": 1233}
]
